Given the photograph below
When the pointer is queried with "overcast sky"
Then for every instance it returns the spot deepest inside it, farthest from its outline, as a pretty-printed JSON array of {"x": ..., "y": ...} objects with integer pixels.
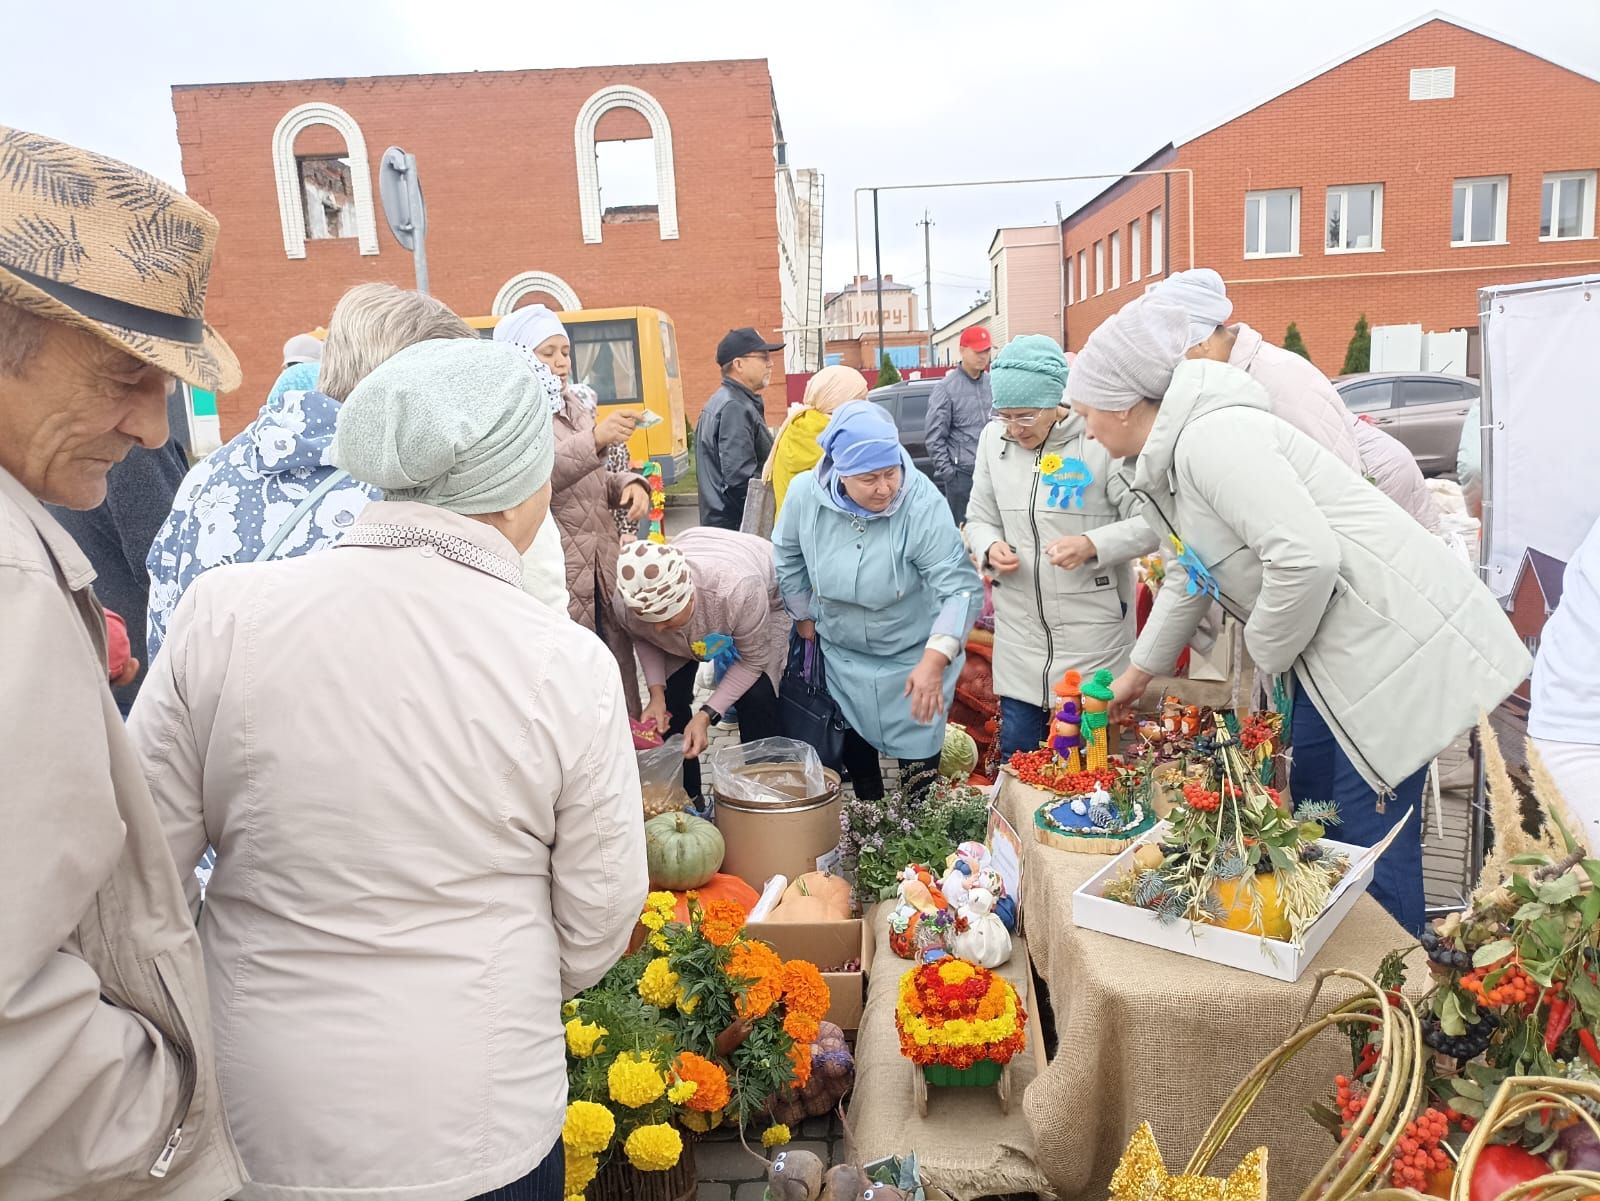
[{"x": 911, "y": 91}]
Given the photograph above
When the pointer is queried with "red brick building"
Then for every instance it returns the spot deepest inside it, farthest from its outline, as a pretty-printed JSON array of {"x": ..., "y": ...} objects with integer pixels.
[
  {"x": 508, "y": 161},
  {"x": 1394, "y": 183}
]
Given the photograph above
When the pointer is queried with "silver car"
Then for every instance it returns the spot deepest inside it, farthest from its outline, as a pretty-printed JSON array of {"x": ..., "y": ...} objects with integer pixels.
[{"x": 1424, "y": 410}]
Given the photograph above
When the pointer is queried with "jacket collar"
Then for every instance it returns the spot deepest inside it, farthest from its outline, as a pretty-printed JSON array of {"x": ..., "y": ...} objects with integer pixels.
[
  {"x": 412, "y": 515},
  {"x": 1199, "y": 387},
  {"x": 74, "y": 564},
  {"x": 1246, "y": 344},
  {"x": 735, "y": 389}
]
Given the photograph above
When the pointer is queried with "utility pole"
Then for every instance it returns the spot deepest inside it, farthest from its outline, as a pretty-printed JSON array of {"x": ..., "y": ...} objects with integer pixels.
[
  {"x": 877, "y": 262},
  {"x": 927, "y": 271}
]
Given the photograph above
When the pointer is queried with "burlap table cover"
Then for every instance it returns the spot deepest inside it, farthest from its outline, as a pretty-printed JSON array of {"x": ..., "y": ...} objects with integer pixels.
[
  {"x": 965, "y": 1145},
  {"x": 1148, "y": 1035}
]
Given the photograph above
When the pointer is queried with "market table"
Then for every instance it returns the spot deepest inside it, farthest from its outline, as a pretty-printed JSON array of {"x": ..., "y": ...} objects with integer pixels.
[{"x": 1145, "y": 1034}]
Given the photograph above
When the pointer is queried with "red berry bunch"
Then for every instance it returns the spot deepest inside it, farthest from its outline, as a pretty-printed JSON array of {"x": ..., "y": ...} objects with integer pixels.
[
  {"x": 1043, "y": 769},
  {"x": 1420, "y": 1152},
  {"x": 1200, "y": 798}
]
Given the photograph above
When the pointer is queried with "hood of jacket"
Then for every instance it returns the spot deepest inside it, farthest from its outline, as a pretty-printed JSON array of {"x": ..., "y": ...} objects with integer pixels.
[
  {"x": 294, "y": 429},
  {"x": 1199, "y": 387},
  {"x": 833, "y": 495}
]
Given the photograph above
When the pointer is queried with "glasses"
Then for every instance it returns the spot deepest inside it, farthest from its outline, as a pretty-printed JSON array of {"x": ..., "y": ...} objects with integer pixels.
[{"x": 1020, "y": 423}]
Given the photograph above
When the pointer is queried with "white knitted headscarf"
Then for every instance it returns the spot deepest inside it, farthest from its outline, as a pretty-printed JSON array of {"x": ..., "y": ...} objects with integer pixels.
[
  {"x": 527, "y": 329},
  {"x": 1131, "y": 356},
  {"x": 654, "y": 581},
  {"x": 1200, "y": 293}
]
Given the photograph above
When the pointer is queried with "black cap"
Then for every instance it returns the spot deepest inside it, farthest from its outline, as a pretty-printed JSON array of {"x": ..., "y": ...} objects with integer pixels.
[{"x": 744, "y": 341}]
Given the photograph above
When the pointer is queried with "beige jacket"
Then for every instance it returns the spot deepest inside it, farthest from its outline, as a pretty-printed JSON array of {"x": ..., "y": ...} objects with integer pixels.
[
  {"x": 105, "y": 1047},
  {"x": 426, "y": 811},
  {"x": 1396, "y": 642}
]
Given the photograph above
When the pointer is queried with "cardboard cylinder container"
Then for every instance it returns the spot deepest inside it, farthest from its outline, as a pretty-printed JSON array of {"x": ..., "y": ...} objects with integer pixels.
[{"x": 779, "y": 832}]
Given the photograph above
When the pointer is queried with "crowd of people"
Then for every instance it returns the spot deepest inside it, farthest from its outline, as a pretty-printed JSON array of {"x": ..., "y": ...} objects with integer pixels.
[{"x": 365, "y": 698}]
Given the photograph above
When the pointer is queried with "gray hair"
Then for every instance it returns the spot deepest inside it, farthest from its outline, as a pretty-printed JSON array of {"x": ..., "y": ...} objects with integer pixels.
[
  {"x": 21, "y": 335},
  {"x": 373, "y": 322}
]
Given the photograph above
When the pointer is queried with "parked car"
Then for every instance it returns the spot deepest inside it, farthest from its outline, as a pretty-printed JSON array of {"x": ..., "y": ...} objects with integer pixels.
[
  {"x": 907, "y": 403},
  {"x": 1423, "y": 410}
]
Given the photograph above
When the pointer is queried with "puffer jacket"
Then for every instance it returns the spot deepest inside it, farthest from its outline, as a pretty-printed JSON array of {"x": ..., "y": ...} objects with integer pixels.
[
  {"x": 1388, "y": 464},
  {"x": 1297, "y": 392},
  {"x": 582, "y": 495},
  {"x": 1048, "y": 619},
  {"x": 108, "y": 1090},
  {"x": 1394, "y": 640}
]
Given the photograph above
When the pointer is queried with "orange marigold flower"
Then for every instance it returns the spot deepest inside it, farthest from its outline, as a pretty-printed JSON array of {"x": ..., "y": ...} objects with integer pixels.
[
  {"x": 800, "y": 1057},
  {"x": 804, "y": 989},
  {"x": 711, "y": 1091},
  {"x": 801, "y": 1027},
  {"x": 722, "y": 922}
]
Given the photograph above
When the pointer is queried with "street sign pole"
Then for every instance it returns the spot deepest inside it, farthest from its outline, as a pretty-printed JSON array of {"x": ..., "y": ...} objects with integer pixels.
[{"x": 400, "y": 189}]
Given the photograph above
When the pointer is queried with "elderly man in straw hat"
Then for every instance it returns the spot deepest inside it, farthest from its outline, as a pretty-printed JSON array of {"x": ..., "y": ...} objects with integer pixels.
[{"x": 107, "y": 1087}]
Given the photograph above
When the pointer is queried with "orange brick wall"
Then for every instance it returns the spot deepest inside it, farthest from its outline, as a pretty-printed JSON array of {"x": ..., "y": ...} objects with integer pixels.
[
  {"x": 1513, "y": 114},
  {"x": 497, "y": 160}
]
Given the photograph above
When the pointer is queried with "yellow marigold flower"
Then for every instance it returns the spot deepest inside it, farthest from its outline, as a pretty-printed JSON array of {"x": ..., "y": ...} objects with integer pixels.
[
  {"x": 659, "y": 984},
  {"x": 581, "y": 1170},
  {"x": 775, "y": 1136},
  {"x": 582, "y": 1037},
  {"x": 1050, "y": 464},
  {"x": 686, "y": 1003},
  {"x": 658, "y": 942},
  {"x": 654, "y": 1148},
  {"x": 662, "y": 902},
  {"x": 587, "y": 1128},
  {"x": 955, "y": 971},
  {"x": 680, "y": 1092},
  {"x": 570, "y": 1009},
  {"x": 652, "y": 919},
  {"x": 634, "y": 1080}
]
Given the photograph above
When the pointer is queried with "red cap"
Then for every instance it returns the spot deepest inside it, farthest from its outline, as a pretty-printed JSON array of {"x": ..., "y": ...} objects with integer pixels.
[
  {"x": 976, "y": 337},
  {"x": 118, "y": 649}
]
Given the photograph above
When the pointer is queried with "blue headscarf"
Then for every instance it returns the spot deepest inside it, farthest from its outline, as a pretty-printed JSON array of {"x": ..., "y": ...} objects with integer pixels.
[
  {"x": 860, "y": 438},
  {"x": 297, "y": 377}
]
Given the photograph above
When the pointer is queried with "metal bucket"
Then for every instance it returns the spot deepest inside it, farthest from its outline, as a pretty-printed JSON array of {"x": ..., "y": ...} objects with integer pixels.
[{"x": 782, "y": 833}]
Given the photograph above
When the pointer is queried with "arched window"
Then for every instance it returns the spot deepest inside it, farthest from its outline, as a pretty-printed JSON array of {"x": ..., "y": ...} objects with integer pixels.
[
  {"x": 602, "y": 102},
  {"x": 526, "y": 283},
  {"x": 337, "y": 190}
]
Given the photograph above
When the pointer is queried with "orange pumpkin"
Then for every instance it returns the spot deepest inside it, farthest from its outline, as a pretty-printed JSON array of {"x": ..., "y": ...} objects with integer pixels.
[
  {"x": 721, "y": 887},
  {"x": 814, "y": 897},
  {"x": 1236, "y": 903}
]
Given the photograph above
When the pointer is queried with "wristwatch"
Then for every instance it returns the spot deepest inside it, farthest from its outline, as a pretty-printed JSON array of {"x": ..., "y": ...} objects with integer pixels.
[{"x": 716, "y": 718}]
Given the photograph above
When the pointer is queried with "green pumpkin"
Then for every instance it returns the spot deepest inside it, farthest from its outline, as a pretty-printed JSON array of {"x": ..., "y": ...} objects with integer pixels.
[{"x": 683, "y": 851}]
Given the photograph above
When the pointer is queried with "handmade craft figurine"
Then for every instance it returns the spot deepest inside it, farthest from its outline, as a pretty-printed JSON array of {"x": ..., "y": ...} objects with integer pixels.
[
  {"x": 921, "y": 919},
  {"x": 1172, "y": 716},
  {"x": 1199, "y": 575},
  {"x": 1191, "y": 720},
  {"x": 1066, "y": 738},
  {"x": 980, "y": 936},
  {"x": 966, "y": 868},
  {"x": 1096, "y": 721}
]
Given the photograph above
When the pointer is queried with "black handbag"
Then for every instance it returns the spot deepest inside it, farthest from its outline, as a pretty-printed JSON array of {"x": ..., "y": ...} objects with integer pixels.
[{"x": 806, "y": 711}]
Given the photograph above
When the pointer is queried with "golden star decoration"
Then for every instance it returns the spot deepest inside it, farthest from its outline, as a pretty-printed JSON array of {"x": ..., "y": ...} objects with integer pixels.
[{"x": 1142, "y": 1176}]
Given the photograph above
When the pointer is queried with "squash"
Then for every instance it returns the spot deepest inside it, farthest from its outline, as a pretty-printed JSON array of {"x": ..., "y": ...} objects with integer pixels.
[
  {"x": 1236, "y": 903},
  {"x": 814, "y": 897},
  {"x": 683, "y": 851}
]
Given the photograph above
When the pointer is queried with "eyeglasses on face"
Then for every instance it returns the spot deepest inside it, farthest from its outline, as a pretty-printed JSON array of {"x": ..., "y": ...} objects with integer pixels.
[{"x": 1021, "y": 423}]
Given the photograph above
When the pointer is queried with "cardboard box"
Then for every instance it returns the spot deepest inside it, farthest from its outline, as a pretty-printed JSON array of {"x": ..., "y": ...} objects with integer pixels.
[
  {"x": 827, "y": 944},
  {"x": 1232, "y": 948}
]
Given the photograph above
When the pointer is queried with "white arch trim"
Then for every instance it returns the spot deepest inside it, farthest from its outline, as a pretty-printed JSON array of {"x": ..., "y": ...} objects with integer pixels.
[
  {"x": 526, "y": 283},
  {"x": 291, "y": 210},
  {"x": 642, "y": 102}
]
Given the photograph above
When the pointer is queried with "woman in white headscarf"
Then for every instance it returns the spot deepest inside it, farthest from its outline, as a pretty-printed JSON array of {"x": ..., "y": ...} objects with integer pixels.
[
  {"x": 1393, "y": 646},
  {"x": 584, "y": 490},
  {"x": 424, "y": 802}
]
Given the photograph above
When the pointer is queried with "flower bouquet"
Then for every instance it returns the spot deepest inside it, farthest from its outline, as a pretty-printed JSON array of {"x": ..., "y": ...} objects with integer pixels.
[
  {"x": 1234, "y": 855},
  {"x": 1512, "y": 990},
  {"x": 959, "y": 1024}
]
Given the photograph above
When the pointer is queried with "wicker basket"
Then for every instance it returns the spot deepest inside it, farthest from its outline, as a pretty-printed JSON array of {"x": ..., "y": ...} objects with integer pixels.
[{"x": 621, "y": 1181}]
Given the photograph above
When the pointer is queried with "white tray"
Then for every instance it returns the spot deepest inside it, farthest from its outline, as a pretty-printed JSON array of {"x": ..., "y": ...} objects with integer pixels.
[{"x": 1232, "y": 948}]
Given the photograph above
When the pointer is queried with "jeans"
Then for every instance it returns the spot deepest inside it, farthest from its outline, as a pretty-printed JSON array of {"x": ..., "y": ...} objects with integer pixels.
[
  {"x": 957, "y": 491},
  {"x": 1319, "y": 770},
  {"x": 758, "y": 715},
  {"x": 547, "y": 1182},
  {"x": 1023, "y": 727},
  {"x": 866, "y": 772}
]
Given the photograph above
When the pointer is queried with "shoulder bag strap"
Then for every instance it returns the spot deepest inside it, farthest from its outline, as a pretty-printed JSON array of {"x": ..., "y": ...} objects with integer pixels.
[{"x": 303, "y": 508}]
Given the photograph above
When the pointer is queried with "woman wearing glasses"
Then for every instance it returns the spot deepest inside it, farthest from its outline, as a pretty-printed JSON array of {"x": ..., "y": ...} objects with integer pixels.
[{"x": 1056, "y": 527}]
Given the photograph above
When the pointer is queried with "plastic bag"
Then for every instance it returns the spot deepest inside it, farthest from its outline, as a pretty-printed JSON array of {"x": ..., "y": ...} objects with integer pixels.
[
  {"x": 661, "y": 777},
  {"x": 792, "y": 770}
]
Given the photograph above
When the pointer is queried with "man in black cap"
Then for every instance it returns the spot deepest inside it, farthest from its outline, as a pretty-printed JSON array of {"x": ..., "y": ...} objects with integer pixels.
[{"x": 731, "y": 438}]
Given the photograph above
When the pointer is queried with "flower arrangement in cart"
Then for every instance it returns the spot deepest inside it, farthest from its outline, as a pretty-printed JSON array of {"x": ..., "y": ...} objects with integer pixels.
[
  {"x": 1511, "y": 990},
  {"x": 702, "y": 1025},
  {"x": 1235, "y": 855}
]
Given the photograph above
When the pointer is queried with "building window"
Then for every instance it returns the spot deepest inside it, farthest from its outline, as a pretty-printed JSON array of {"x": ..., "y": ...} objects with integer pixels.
[
  {"x": 1116, "y": 259},
  {"x": 1099, "y": 268},
  {"x": 1433, "y": 83},
  {"x": 323, "y": 196},
  {"x": 1272, "y": 223},
  {"x": 1355, "y": 218},
  {"x": 1135, "y": 232},
  {"x": 1070, "y": 282},
  {"x": 1567, "y": 208},
  {"x": 591, "y": 212},
  {"x": 1478, "y": 214},
  {"x": 629, "y": 189},
  {"x": 1083, "y": 276},
  {"x": 528, "y": 283},
  {"x": 1156, "y": 248},
  {"x": 330, "y": 209}
]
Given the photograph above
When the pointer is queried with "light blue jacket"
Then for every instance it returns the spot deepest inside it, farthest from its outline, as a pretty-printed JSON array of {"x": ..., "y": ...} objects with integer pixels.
[{"x": 877, "y": 589}]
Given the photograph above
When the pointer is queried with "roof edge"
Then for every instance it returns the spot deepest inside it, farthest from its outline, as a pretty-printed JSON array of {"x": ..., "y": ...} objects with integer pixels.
[{"x": 347, "y": 79}]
